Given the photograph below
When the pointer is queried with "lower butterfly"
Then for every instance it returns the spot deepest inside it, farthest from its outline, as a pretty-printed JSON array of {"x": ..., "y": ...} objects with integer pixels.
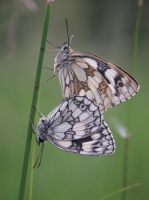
[{"x": 76, "y": 125}]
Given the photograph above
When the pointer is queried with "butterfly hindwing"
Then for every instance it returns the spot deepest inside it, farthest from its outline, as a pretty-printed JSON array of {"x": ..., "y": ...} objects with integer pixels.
[
  {"x": 75, "y": 118},
  {"x": 99, "y": 143}
]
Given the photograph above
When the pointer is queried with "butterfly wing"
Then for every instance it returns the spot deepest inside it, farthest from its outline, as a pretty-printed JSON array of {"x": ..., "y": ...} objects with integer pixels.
[
  {"x": 98, "y": 79},
  {"x": 99, "y": 143},
  {"x": 74, "y": 118}
]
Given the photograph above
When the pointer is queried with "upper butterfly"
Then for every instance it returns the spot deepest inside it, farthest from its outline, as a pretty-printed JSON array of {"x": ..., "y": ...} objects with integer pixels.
[{"x": 84, "y": 74}]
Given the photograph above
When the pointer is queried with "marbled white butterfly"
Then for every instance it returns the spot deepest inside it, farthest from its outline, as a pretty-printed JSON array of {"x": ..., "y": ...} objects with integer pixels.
[
  {"x": 84, "y": 74},
  {"x": 76, "y": 125}
]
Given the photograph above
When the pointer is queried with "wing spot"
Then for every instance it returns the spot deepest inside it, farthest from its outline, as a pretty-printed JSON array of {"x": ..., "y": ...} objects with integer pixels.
[
  {"x": 82, "y": 106},
  {"x": 120, "y": 84},
  {"x": 76, "y": 102},
  {"x": 102, "y": 87}
]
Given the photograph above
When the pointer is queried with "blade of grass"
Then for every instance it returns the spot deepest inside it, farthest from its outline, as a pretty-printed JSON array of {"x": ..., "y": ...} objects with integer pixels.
[
  {"x": 134, "y": 61},
  {"x": 120, "y": 190},
  {"x": 34, "y": 102},
  {"x": 31, "y": 176},
  {"x": 125, "y": 166},
  {"x": 136, "y": 33}
]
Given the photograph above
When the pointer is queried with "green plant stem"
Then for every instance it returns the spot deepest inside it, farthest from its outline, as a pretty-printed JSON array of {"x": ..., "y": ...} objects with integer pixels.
[
  {"x": 134, "y": 61},
  {"x": 34, "y": 103},
  {"x": 125, "y": 166},
  {"x": 136, "y": 34},
  {"x": 31, "y": 172},
  {"x": 120, "y": 190}
]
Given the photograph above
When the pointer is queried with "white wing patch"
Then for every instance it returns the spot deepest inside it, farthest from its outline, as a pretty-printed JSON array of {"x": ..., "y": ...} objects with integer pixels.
[
  {"x": 91, "y": 62},
  {"x": 79, "y": 72}
]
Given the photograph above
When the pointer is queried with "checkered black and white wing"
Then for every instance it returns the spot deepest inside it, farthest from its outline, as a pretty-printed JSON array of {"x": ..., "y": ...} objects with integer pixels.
[
  {"x": 84, "y": 74},
  {"x": 99, "y": 143},
  {"x": 75, "y": 118}
]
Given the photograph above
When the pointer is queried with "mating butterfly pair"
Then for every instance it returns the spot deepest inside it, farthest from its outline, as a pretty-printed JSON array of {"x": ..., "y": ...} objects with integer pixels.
[{"x": 90, "y": 85}]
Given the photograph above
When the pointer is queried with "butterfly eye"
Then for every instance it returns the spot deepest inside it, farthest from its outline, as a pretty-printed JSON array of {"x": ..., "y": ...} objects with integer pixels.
[
  {"x": 43, "y": 121},
  {"x": 65, "y": 46},
  {"x": 82, "y": 106}
]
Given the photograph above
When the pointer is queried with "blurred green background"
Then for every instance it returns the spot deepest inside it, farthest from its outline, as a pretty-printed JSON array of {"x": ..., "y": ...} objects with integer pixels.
[{"x": 105, "y": 28}]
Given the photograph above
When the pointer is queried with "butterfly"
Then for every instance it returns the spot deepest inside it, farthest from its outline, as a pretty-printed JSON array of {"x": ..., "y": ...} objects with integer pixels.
[
  {"x": 85, "y": 74},
  {"x": 76, "y": 125}
]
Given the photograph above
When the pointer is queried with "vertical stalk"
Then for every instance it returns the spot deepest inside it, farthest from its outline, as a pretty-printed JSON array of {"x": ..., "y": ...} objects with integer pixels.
[
  {"x": 130, "y": 108},
  {"x": 125, "y": 166},
  {"x": 32, "y": 110},
  {"x": 30, "y": 192}
]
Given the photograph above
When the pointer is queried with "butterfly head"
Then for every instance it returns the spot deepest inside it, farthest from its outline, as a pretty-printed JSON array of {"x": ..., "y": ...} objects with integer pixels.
[
  {"x": 42, "y": 130},
  {"x": 63, "y": 58},
  {"x": 65, "y": 47}
]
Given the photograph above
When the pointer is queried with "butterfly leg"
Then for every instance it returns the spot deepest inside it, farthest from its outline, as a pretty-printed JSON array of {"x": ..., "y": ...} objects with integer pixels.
[
  {"x": 39, "y": 157},
  {"x": 47, "y": 68},
  {"x": 39, "y": 113},
  {"x": 54, "y": 45}
]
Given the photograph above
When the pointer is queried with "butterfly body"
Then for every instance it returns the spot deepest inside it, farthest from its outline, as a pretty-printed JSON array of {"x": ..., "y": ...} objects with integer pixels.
[
  {"x": 84, "y": 74},
  {"x": 42, "y": 130},
  {"x": 63, "y": 58},
  {"x": 76, "y": 125}
]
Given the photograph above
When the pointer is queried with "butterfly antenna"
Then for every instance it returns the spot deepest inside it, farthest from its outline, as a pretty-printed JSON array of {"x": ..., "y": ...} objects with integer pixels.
[
  {"x": 66, "y": 21},
  {"x": 45, "y": 81},
  {"x": 48, "y": 68},
  {"x": 53, "y": 76},
  {"x": 49, "y": 50},
  {"x": 39, "y": 157}
]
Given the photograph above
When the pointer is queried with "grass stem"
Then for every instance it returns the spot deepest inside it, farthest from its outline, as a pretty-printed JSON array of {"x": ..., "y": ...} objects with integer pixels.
[
  {"x": 125, "y": 166},
  {"x": 134, "y": 62},
  {"x": 30, "y": 193},
  {"x": 32, "y": 110},
  {"x": 120, "y": 190}
]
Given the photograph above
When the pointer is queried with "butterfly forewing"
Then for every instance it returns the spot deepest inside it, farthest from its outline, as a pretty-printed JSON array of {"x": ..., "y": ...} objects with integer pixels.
[
  {"x": 84, "y": 74},
  {"x": 75, "y": 118}
]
